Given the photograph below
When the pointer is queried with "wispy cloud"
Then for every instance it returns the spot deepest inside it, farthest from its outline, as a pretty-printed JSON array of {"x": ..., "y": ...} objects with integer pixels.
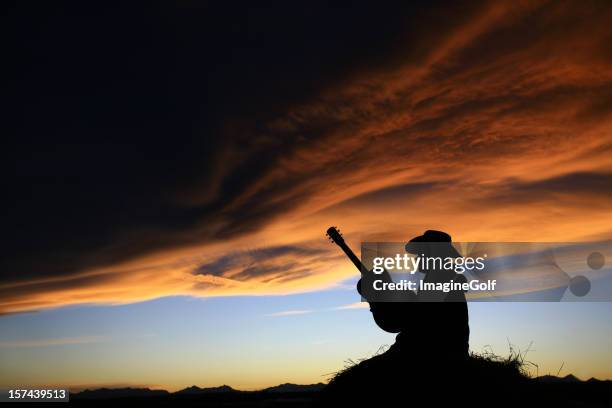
[
  {"x": 289, "y": 313},
  {"x": 61, "y": 341},
  {"x": 356, "y": 305}
]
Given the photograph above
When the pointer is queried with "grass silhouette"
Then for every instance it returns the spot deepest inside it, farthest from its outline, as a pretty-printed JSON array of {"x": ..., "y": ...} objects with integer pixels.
[
  {"x": 387, "y": 378},
  {"x": 427, "y": 378}
]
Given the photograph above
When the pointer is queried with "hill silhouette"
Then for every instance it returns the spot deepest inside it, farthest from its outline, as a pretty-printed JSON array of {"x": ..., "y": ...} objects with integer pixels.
[
  {"x": 287, "y": 394},
  {"x": 128, "y": 392},
  {"x": 553, "y": 378},
  {"x": 519, "y": 390},
  {"x": 193, "y": 390},
  {"x": 288, "y": 387},
  {"x": 479, "y": 381}
]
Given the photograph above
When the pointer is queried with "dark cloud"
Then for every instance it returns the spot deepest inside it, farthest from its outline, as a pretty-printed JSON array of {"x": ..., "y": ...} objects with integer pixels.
[
  {"x": 127, "y": 132},
  {"x": 136, "y": 132},
  {"x": 574, "y": 183},
  {"x": 592, "y": 187},
  {"x": 261, "y": 262}
]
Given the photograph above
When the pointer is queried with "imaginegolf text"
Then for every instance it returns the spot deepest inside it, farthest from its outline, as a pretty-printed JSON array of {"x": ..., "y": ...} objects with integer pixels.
[{"x": 474, "y": 285}]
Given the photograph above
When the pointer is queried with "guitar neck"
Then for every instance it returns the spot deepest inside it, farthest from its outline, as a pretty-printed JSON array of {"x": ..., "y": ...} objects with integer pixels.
[
  {"x": 351, "y": 255},
  {"x": 368, "y": 277}
]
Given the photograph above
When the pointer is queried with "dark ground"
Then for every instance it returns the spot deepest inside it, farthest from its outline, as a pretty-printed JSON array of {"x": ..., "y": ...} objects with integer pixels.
[{"x": 542, "y": 392}]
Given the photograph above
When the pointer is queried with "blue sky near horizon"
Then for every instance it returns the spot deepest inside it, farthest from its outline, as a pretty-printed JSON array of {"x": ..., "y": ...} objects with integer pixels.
[{"x": 252, "y": 342}]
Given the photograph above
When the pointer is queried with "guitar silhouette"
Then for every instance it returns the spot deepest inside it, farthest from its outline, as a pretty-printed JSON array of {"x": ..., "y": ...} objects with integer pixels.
[{"x": 391, "y": 316}]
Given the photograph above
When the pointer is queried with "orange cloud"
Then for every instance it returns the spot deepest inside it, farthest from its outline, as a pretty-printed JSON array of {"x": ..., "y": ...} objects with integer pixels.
[{"x": 495, "y": 127}]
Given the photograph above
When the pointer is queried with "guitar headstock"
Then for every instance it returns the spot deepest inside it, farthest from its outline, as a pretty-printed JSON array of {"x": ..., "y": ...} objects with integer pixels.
[{"x": 334, "y": 235}]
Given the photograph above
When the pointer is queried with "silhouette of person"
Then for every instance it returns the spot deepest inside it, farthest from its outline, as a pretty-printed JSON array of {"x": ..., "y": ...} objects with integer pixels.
[
  {"x": 429, "y": 363},
  {"x": 440, "y": 319}
]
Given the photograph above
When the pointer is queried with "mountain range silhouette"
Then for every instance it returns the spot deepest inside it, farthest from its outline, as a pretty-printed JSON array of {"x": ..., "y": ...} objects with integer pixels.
[
  {"x": 567, "y": 391},
  {"x": 129, "y": 392}
]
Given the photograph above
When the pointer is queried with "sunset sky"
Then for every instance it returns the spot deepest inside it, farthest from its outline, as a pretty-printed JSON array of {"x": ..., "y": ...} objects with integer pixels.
[{"x": 170, "y": 174}]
